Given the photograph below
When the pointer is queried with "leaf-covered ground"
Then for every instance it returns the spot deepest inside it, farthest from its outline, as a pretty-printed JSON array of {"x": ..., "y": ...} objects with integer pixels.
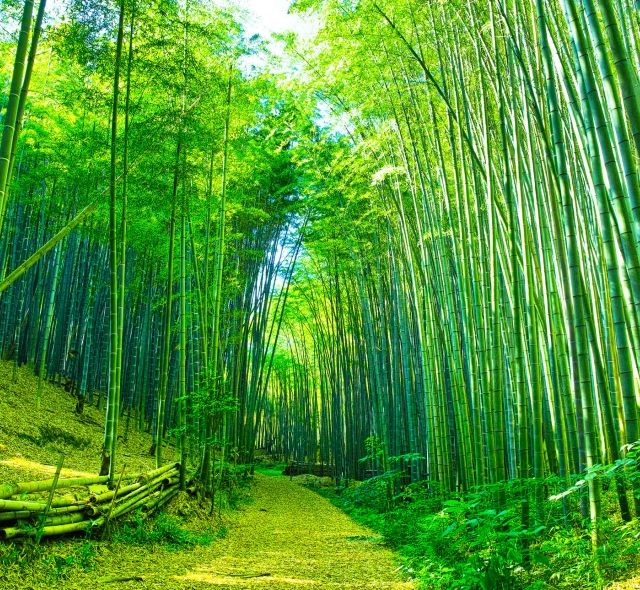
[
  {"x": 33, "y": 436},
  {"x": 633, "y": 584},
  {"x": 285, "y": 537}
]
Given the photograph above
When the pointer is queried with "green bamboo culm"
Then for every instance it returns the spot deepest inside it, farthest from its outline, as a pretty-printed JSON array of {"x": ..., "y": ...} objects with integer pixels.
[
  {"x": 113, "y": 406},
  {"x": 11, "y": 122}
]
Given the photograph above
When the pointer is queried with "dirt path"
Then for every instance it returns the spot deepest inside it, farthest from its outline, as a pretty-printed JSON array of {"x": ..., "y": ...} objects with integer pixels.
[{"x": 288, "y": 532}]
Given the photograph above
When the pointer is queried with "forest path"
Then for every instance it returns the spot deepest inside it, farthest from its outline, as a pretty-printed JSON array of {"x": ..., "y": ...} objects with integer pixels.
[{"x": 287, "y": 531}]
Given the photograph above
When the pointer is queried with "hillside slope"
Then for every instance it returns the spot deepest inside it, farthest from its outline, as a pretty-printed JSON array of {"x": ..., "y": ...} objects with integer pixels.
[{"x": 33, "y": 436}]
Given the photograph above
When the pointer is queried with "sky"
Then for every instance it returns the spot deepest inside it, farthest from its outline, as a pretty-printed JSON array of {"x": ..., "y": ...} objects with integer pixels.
[
  {"x": 271, "y": 16},
  {"x": 265, "y": 17}
]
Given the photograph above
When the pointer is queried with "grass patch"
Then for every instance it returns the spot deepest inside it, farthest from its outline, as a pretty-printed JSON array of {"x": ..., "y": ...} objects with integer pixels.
[
  {"x": 163, "y": 530},
  {"x": 271, "y": 470}
]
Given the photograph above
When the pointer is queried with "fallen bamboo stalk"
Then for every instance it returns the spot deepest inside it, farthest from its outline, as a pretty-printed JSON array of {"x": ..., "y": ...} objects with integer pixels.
[
  {"x": 163, "y": 499},
  {"x": 29, "y": 487},
  {"x": 131, "y": 504},
  {"x": 65, "y": 502},
  {"x": 106, "y": 496},
  {"x": 64, "y": 519},
  {"x": 15, "y": 515},
  {"x": 24, "y": 514},
  {"x": 66, "y": 515},
  {"x": 51, "y": 519},
  {"x": 38, "y": 506},
  {"x": 169, "y": 481},
  {"x": 153, "y": 474},
  {"x": 77, "y": 507},
  {"x": 138, "y": 493},
  {"x": 158, "y": 499},
  {"x": 143, "y": 492},
  {"x": 22, "y": 505},
  {"x": 146, "y": 488},
  {"x": 91, "y": 510},
  {"x": 47, "y": 531},
  {"x": 128, "y": 506}
]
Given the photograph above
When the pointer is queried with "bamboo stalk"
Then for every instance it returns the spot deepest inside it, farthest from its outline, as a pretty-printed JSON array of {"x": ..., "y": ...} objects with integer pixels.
[
  {"x": 64, "y": 519},
  {"x": 52, "y": 491},
  {"x": 106, "y": 496},
  {"x": 153, "y": 474},
  {"x": 47, "y": 531},
  {"x": 8, "y": 490}
]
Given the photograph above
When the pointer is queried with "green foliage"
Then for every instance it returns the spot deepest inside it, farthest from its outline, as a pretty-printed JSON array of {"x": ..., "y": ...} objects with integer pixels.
[
  {"x": 234, "y": 483},
  {"x": 375, "y": 449},
  {"x": 82, "y": 558},
  {"x": 270, "y": 469},
  {"x": 374, "y": 494},
  {"x": 626, "y": 469},
  {"x": 463, "y": 541},
  {"x": 164, "y": 530}
]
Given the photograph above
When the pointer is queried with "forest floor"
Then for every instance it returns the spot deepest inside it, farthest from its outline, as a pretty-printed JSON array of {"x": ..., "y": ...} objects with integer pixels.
[
  {"x": 633, "y": 584},
  {"x": 34, "y": 434},
  {"x": 285, "y": 536},
  {"x": 281, "y": 536}
]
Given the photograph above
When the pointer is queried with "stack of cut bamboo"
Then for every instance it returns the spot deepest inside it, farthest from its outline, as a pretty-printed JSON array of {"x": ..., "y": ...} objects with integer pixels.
[{"x": 24, "y": 511}]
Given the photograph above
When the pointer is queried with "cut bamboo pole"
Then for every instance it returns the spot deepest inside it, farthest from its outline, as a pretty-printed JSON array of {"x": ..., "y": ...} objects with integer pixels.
[
  {"x": 43, "y": 517},
  {"x": 67, "y": 515},
  {"x": 8, "y": 490},
  {"x": 24, "y": 514},
  {"x": 106, "y": 496},
  {"x": 21, "y": 505},
  {"x": 47, "y": 531},
  {"x": 64, "y": 519},
  {"x": 153, "y": 474}
]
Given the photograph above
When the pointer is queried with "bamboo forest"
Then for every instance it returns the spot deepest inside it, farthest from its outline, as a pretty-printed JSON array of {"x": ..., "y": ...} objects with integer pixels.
[{"x": 341, "y": 294}]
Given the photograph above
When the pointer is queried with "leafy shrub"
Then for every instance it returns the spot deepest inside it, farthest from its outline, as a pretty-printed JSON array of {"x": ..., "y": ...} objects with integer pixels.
[
  {"x": 374, "y": 494},
  {"x": 480, "y": 540},
  {"x": 62, "y": 566}
]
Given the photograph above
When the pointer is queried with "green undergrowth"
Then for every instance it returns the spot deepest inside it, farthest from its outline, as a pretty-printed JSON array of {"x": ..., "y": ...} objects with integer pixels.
[
  {"x": 52, "y": 561},
  {"x": 58, "y": 560},
  {"x": 272, "y": 470},
  {"x": 165, "y": 530},
  {"x": 489, "y": 539}
]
